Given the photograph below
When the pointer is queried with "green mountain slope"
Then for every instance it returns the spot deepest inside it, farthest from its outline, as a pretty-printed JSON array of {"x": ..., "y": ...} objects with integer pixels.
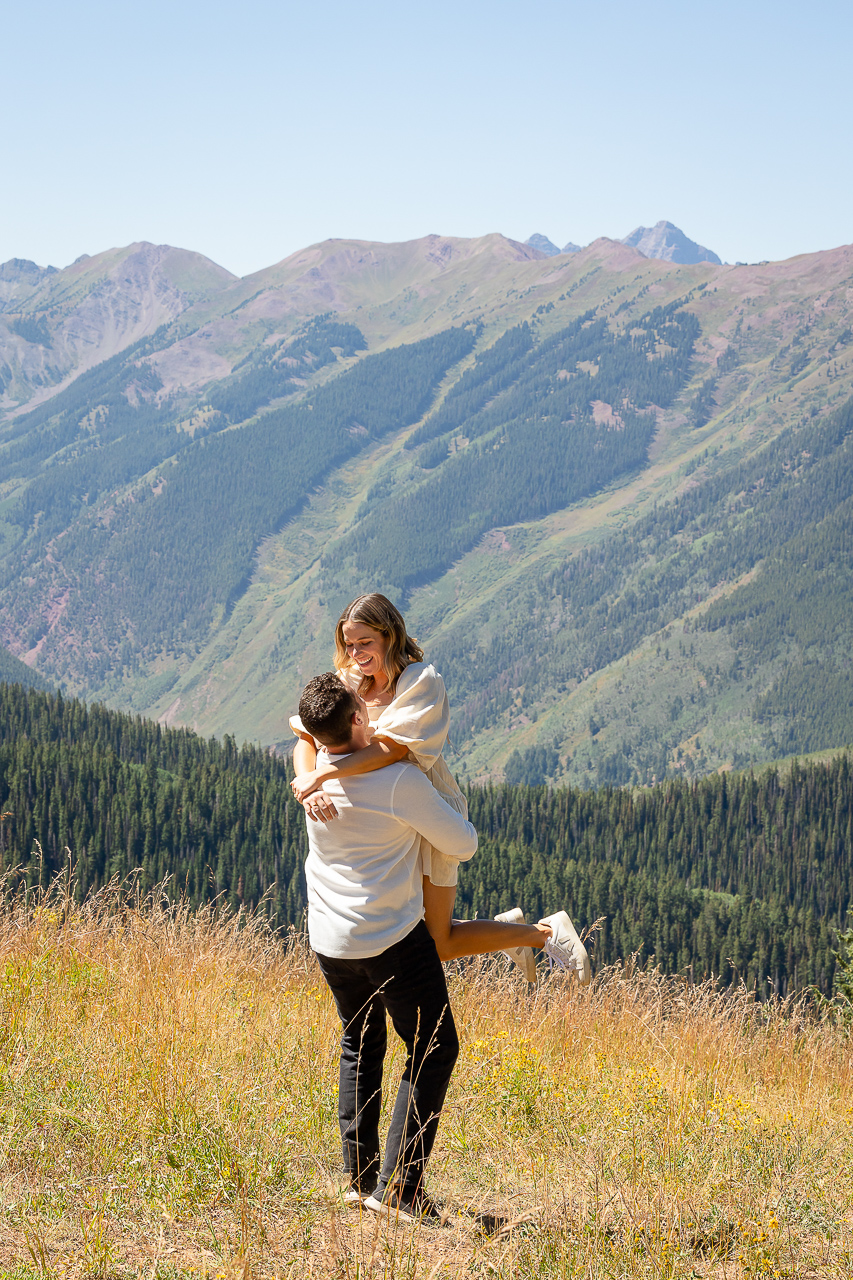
[
  {"x": 538, "y": 444},
  {"x": 180, "y": 553},
  {"x": 13, "y": 671},
  {"x": 598, "y": 452},
  {"x": 714, "y": 628}
]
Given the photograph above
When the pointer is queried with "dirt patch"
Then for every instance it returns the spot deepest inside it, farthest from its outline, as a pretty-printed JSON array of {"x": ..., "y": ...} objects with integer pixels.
[
  {"x": 189, "y": 363},
  {"x": 495, "y": 542},
  {"x": 169, "y": 714},
  {"x": 604, "y": 415}
]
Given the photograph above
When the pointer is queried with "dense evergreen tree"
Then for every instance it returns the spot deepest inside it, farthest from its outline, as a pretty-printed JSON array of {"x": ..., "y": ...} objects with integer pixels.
[{"x": 121, "y": 794}]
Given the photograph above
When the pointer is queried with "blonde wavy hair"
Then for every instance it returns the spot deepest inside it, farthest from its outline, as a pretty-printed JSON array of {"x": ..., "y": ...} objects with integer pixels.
[{"x": 378, "y": 613}]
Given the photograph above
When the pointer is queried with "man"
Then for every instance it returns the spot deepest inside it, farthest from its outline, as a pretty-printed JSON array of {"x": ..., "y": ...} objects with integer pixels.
[{"x": 365, "y": 924}]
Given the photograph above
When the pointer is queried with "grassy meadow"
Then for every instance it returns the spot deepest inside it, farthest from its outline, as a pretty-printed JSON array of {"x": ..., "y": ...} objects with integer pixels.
[{"x": 168, "y": 1110}]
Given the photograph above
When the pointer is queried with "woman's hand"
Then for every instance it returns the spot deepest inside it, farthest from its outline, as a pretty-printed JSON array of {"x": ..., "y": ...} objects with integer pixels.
[
  {"x": 319, "y": 807},
  {"x": 304, "y": 783}
]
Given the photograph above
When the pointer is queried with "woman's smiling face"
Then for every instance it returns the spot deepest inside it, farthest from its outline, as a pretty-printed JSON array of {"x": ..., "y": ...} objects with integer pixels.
[{"x": 366, "y": 648}]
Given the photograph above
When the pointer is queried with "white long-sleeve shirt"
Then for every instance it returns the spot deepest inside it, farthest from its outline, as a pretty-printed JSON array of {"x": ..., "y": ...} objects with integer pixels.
[{"x": 365, "y": 889}]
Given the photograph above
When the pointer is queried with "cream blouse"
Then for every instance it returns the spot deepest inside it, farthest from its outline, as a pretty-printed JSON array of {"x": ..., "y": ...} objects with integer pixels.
[{"x": 418, "y": 717}]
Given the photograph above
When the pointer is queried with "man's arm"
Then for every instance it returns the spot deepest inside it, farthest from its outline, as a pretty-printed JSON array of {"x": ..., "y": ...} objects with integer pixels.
[{"x": 416, "y": 801}]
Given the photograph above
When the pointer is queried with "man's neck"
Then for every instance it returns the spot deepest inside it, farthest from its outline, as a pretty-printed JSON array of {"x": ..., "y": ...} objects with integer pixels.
[{"x": 356, "y": 742}]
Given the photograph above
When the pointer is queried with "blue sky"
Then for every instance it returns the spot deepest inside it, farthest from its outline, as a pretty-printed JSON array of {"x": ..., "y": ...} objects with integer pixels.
[{"x": 248, "y": 131}]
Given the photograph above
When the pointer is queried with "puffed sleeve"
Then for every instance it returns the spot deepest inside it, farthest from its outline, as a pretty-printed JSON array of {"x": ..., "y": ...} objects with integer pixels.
[
  {"x": 419, "y": 716},
  {"x": 299, "y": 729}
]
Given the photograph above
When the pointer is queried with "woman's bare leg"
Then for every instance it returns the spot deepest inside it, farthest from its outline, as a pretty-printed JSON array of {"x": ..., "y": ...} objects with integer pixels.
[{"x": 455, "y": 938}]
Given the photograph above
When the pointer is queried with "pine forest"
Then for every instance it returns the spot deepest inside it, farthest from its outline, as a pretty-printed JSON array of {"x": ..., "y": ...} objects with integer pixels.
[{"x": 737, "y": 876}]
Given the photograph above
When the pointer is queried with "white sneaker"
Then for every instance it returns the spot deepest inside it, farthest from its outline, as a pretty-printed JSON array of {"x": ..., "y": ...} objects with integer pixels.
[
  {"x": 564, "y": 947},
  {"x": 400, "y": 1205},
  {"x": 522, "y": 956},
  {"x": 354, "y": 1193}
]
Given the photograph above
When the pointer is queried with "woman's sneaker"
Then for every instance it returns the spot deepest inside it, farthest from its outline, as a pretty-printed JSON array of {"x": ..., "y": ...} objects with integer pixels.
[
  {"x": 399, "y": 1204},
  {"x": 522, "y": 956},
  {"x": 564, "y": 947}
]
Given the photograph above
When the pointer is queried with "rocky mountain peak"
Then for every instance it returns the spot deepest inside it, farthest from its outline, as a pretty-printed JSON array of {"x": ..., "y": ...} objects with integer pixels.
[
  {"x": 19, "y": 278},
  {"x": 546, "y": 246},
  {"x": 669, "y": 243},
  {"x": 543, "y": 244},
  {"x": 17, "y": 269},
  {"x": 115, "y": 298}
]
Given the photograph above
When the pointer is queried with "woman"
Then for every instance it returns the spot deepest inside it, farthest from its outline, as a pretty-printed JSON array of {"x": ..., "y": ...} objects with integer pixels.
[{"x": 408, "y": 710}]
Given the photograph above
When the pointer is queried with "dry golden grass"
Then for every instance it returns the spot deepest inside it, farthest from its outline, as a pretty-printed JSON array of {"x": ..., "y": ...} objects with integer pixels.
[{"x": 168, "y": 1109}]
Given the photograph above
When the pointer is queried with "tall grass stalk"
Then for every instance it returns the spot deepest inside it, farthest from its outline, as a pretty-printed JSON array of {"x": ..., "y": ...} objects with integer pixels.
[{"x": 168, "y": 1108}]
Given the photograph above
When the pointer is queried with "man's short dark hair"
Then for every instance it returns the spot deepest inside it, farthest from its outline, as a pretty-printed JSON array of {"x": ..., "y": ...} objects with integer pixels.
[{"x": 326, "y": 709}]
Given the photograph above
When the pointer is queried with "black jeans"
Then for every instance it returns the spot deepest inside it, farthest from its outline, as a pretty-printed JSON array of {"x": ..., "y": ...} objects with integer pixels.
[{"x": 408, "y": 981}]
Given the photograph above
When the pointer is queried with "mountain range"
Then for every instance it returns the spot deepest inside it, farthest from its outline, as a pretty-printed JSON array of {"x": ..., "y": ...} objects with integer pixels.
[
  {"x": 663, "y": 240},
  {"x": 611, "y": 490}
]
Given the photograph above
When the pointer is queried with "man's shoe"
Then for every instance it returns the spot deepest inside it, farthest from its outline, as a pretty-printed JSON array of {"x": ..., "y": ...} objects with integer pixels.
[
  {"x": 522, "y": 956},
  {"x": 400, "y": 1204},
  {"x": 564, "y": 947},
  {"x": 356, "y": 1194}
]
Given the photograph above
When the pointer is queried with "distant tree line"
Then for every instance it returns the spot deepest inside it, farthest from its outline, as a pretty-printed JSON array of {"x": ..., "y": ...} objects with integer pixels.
[
  {"x": 122, "y": 794},
  {"x": 735, "y": 875}
]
